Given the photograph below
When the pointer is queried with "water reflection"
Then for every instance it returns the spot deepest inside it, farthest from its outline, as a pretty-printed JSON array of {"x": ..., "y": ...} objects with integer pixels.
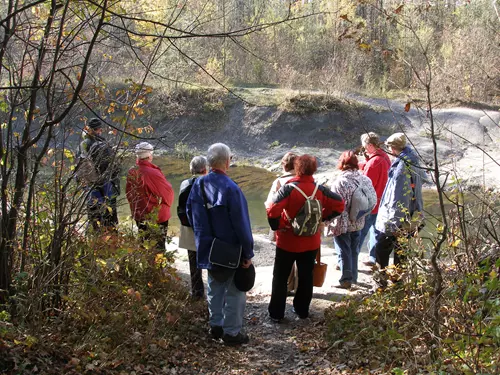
[{"x": 255, "y": 183}]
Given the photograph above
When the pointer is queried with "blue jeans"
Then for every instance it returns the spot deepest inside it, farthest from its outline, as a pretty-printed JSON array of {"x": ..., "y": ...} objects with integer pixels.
[
  {"x": 347, "y": 245},
  {"x": 226, "y": 304},
  {"x": 369, "y": 228}
]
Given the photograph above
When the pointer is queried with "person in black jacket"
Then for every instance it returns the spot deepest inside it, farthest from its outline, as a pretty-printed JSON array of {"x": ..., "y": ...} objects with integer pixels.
[
  {"x": 104, "y": 189},
  {"x": 198, "y": 166}
]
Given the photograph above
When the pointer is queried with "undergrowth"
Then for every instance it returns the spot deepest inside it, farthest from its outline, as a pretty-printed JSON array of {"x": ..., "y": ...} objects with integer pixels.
[
  {"x": 391, "y": 331},
  {"x": 125, "y": 308},
  {"x": 314, "y": 103}
]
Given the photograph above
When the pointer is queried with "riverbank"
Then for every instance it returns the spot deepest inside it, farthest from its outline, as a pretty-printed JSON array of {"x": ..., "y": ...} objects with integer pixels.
[{"x": 326, "y": 125}]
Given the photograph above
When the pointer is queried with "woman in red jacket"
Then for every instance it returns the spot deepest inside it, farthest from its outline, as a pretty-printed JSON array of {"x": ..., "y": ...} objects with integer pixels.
[
  {"x": 291, "y": 248},
  {"x": 149, "y": 195},
  {"x": 376, "y": 168}
]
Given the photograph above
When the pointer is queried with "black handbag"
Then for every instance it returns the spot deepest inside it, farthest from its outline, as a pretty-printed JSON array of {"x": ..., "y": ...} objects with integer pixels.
[{"x": 222, "y": 253}]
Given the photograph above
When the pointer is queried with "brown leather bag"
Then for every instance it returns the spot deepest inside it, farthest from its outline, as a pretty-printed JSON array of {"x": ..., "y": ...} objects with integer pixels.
[{"x": 319, "y": 271}]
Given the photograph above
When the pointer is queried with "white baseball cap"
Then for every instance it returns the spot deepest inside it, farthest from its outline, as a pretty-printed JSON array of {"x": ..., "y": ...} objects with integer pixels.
[{"x": 144, "y": 150}]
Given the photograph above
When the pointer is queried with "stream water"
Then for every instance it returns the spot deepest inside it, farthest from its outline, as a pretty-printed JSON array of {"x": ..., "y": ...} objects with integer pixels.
[{"x": 255, "y": 184}]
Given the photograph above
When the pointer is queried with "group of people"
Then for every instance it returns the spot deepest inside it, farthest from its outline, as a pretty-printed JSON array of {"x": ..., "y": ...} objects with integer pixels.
[
  {"x": 212, "y": 206},
  {"x": 395, "y": 188}
]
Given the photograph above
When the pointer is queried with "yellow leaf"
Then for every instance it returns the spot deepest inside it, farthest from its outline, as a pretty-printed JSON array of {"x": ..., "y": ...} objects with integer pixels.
[
  {"x": 456, "y": 243},
  {"x": 365, "y": 46},
  {"x": 68, "y": 154}
]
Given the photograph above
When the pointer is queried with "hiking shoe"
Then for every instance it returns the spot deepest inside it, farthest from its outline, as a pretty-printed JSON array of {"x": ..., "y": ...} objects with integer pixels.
[
  {"x": 276, "y": 320},
  {"x": 301, "y": 316},
  {"x": 216, "y": 332},
  {"x": 381, "y": 279},
  {"x": 344, "y": 285},
  {"x": 240, "y": 338}
]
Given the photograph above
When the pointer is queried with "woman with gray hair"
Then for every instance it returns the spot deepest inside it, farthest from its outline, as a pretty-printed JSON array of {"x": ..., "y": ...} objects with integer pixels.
[
  {"x": 150, "y": 196},
  {"x": 198, "y": 167}
]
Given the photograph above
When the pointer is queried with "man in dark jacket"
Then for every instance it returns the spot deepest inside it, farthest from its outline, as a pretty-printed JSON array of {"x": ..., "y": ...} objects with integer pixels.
[
  {"x": 104, "y": 187},
  {"x": 150, "y": 196},
  {"x": 226, "y": 218}
]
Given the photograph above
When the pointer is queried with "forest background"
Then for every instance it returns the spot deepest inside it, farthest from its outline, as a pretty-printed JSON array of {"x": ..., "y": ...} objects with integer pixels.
[{"x": 101, "y": 297}]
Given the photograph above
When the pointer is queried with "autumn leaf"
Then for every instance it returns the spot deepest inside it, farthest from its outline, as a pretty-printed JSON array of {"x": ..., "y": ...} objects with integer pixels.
[
  {"x": 137, "y": 296},
  {"x": 68, "y": 154},
  {"x": 365, "y": 46},
  {"x": 171, "y": 318},
  {"x": 345, "y": 17},
  {"x": 399, "y": 9},
  {"x": 407, "y": 106}
]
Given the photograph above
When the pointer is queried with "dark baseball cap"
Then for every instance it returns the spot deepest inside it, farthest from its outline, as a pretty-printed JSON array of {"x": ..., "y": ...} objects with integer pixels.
[{"x": 95, "y": 123}]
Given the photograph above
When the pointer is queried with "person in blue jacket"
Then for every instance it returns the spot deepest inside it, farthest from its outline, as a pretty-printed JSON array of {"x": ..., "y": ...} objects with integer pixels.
[
  {"x": 401, "y": 201},
  {"x": 226, "y": 218}
]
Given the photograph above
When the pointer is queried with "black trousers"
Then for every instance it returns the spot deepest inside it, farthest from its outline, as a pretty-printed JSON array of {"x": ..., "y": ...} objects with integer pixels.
[
  {"x": 149, "y": 233},
  {"x": 197, "y": 288},
  {"x": 282, "y": 266},
  {"x": 384, "y": 245}
]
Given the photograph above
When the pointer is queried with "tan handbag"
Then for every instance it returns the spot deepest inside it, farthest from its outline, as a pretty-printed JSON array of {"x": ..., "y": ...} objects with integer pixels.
[{"x": 319, "y": 271}]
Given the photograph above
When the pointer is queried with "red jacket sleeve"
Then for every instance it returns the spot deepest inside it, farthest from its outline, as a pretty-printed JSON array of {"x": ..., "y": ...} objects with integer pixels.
[
  {"x": 333, "y": 204},
  {"x": 275, "y": 210}
]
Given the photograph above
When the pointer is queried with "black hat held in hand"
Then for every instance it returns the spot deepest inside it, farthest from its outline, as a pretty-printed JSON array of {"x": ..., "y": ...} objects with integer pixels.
[{"x": 244, "y": 278}]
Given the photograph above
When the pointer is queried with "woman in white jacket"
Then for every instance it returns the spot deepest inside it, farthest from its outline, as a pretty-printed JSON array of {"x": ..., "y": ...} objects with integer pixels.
[
  {"x": 346, "y": 233},
  {"x": 287, "y": 163}
]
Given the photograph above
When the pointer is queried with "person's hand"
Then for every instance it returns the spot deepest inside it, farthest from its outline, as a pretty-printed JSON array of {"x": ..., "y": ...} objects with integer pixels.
[{"x": 246, "y": 263}]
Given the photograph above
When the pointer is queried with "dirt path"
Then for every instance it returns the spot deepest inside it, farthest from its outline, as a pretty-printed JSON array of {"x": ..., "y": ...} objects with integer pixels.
[{"x": 294, "y": 346}]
